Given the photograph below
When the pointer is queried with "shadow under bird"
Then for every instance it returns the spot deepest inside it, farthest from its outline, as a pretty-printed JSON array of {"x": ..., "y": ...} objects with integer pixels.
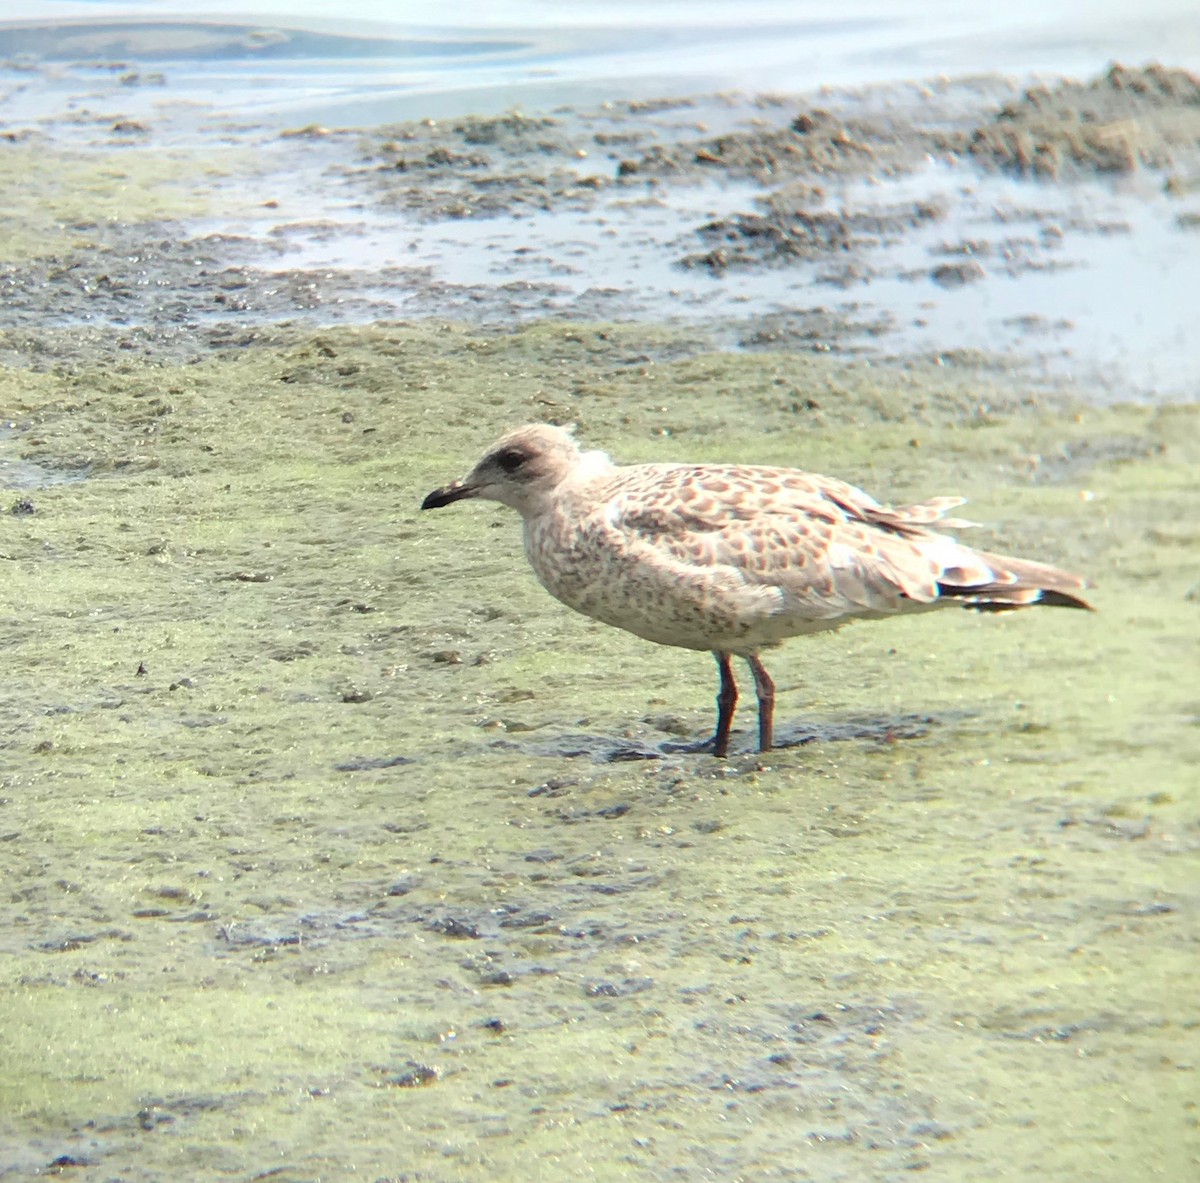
[{"x": 735, "y": 558}]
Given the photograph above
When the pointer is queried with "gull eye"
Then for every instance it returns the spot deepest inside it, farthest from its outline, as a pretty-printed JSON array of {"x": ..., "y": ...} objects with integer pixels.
[{"x": 510, "y": 459}]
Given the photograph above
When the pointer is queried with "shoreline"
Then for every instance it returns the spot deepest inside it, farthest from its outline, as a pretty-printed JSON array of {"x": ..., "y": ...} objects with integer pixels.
[{"x": 971, "y": 220}]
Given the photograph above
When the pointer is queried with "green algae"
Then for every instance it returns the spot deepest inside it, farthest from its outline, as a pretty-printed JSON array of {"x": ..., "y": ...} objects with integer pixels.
[
  {"x": 316, "y": 861},
  {"x": 56, "y": 199}
]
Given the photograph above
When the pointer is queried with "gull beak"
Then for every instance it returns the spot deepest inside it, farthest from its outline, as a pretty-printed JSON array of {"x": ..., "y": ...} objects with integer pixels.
[{"x": 454, "y": 491}]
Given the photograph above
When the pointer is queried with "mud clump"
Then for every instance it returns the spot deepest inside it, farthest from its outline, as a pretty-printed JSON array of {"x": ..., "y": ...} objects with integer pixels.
[
  {"x": 814, "y": 330},
  {"x": 1125, "y": 119},
  {"x": 151, "y": 275},
  {"x": 816, "y": 142},
  {"x": 484, "y": 167},
  {"x": 784, "y": 235},
  {"x": 955, "y": 274},
  {"x": 488, "y": 167}
]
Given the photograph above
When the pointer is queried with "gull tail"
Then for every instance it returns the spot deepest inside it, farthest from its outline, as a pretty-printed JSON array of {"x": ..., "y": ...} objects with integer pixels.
[{"x": 1007, "y": 583}]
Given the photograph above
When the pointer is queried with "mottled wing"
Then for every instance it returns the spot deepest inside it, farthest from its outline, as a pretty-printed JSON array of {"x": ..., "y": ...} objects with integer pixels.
[{"x": 829, "y": 548}]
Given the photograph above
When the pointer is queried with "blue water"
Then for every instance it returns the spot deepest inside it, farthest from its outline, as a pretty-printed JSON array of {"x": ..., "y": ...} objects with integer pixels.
[{"x": 378, "y": 61}]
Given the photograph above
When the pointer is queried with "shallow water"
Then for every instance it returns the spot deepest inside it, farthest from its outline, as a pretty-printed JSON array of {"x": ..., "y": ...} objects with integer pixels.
[
  {"x": 303, "y": 879},
  {"x": 1085, "y": 280},
  {"x": 377, "y": 62}
]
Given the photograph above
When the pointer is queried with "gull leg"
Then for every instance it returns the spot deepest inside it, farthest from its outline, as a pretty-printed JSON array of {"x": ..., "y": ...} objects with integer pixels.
[
  {"x": 727, "y": 698},
  {"x": 765, "y": 689}
]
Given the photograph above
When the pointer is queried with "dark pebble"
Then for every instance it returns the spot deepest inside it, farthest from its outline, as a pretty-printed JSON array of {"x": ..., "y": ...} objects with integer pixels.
[
  {"x": 543, "y": 856},
  {"x": 416, "y": 1077},
  {"x": 449, "y": 926}
]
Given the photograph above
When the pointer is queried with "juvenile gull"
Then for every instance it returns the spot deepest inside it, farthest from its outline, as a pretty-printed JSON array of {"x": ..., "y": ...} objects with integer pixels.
[{"x": 735, "y": 558}]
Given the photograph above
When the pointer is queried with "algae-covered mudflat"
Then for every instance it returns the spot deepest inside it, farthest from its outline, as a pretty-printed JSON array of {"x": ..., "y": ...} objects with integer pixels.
[
  {"x": 332, "y": 847},
  {"x": 318, "y": 859}
]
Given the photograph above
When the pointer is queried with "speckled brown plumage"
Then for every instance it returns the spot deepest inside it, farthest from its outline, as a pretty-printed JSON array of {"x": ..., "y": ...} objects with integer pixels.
[{"x": 735, "y": 558}]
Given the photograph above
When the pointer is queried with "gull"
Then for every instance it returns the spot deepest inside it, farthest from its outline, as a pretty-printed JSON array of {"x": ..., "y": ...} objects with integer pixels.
[{"x": 736, "y": 558}]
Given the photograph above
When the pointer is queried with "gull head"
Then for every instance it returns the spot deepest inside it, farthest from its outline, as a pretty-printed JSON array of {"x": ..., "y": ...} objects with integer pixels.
[{"x": 522, "y": 469}]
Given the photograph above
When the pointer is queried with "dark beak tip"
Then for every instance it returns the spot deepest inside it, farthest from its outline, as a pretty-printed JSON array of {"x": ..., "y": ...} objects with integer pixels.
[{"x": 446, "y": 495}]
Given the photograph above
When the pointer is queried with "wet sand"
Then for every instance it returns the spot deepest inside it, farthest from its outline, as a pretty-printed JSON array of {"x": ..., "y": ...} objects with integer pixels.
[{"x": 334, "y": 846}]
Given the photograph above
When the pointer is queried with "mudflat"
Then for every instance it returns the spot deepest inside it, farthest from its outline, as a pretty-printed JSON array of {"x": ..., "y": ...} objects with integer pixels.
[{"x": 329, "y": 845}]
